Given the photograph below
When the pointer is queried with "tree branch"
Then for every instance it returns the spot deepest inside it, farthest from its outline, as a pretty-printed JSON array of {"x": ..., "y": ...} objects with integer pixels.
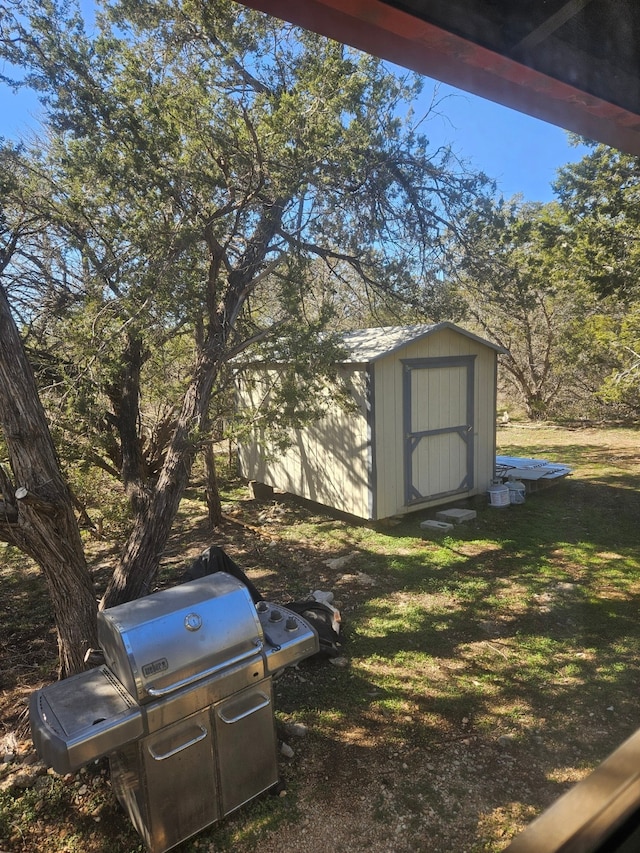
[{"x": 27, "y": 498}]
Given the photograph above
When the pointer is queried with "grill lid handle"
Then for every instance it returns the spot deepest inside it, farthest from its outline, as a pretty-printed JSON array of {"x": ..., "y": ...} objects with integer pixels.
[{"x": 163, "y": 691}]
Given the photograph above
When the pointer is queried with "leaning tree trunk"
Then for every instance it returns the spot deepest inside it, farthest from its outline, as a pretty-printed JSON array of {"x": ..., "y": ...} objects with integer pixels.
[
  {"x": 138, "y": 566},
  {"x": 41, "y": 521}
]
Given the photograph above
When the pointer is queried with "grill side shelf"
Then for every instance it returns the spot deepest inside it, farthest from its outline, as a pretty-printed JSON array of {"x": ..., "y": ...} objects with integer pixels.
[{"x": 82, "y": 718}]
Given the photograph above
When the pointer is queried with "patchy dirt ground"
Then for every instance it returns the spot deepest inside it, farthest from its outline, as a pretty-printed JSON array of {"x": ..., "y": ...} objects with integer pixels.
[
  {"x": 363, "y": 789},
  {"x": 418, "y": 775}
]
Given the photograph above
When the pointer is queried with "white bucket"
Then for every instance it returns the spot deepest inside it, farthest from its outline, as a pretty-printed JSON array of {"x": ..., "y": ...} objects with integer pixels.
[
  {"x": 499, "y": 495},
  {"x": 516, "y": 491}
]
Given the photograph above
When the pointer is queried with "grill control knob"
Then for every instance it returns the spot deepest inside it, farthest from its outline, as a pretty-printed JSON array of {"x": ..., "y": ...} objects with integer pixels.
[
  {"x": 262, "y": 607},
  {"x": 291, "y": 624},
  {"x": 275, "y": 616}
]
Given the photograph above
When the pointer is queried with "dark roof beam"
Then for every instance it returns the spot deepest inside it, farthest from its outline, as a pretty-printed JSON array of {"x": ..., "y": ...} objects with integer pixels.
[
  {"x": 553, "y": 23},
  {"x": 585, "y": 71}
]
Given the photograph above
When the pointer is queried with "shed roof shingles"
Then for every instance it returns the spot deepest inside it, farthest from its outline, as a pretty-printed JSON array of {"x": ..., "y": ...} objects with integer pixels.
[{"x": 367, "y": 345}]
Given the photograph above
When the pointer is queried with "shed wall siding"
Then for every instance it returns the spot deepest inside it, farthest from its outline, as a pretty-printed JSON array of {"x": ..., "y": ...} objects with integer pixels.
[
  {"x": 328, "y": 462},
  {"x": 389, "y": 448}
]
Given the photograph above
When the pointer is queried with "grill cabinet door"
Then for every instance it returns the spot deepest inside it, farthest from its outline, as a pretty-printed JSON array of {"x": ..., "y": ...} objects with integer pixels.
[
  {"x": 167, "y": 782},
  {"x": 246, "y": 739}
]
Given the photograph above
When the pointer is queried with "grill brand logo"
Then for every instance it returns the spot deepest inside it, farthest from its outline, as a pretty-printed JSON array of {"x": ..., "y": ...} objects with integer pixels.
[
  {"x": 192, "y": 622},
  {"x": 156, "y": 666}
]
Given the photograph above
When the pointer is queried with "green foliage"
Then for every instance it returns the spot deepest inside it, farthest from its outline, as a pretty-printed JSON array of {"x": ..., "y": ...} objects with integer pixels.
[
  {"x": 622, "y": 386},
  {"x": 212, "y": 181},
  {"x": 555, "y": 285},
  {"x": 600, "y": 197},
  {"x": 518, "y": 288}
]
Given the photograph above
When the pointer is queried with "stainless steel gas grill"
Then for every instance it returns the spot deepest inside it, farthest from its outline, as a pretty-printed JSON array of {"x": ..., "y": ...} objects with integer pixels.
[{"x": 183, "y": 706}]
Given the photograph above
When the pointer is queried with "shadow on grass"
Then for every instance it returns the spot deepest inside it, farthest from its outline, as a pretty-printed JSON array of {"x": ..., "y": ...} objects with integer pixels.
[{"x": 524, "y": 624}]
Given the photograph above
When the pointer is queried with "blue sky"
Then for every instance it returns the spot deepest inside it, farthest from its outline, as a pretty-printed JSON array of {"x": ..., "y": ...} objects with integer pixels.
[{"x": 521, "y": 153}]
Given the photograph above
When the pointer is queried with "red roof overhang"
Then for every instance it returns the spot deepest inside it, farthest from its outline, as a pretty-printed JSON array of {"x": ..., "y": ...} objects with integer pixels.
[{"x": 404, "y": 39}]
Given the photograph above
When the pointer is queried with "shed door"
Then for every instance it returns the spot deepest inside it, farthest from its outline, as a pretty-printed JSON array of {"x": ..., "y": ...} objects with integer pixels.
[{"x": 438, "y": 402}]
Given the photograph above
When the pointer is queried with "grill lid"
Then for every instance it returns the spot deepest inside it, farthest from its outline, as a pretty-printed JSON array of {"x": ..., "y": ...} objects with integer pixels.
[{"x": 168, "y": 640}]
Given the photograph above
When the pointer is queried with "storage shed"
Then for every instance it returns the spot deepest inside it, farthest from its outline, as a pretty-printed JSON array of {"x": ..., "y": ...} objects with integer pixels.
[{"x": 422, "y": 431}]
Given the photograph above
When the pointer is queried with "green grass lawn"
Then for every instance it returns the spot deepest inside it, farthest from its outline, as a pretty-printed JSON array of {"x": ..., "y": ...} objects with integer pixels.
[{"x": 485, "y": 672}]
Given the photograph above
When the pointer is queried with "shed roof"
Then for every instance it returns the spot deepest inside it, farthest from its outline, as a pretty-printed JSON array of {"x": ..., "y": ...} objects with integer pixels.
[{"x": 367, "y": 345}]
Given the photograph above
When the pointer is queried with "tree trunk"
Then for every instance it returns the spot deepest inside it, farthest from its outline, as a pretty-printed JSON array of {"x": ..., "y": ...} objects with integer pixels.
[
  {"x": 45, "y": 527},
  {"x": 124, "y": 394},
  {"x": 212, "y": 492},
  {"x": 138, "y": 566},
  {"x": 136, "y": 572}
]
